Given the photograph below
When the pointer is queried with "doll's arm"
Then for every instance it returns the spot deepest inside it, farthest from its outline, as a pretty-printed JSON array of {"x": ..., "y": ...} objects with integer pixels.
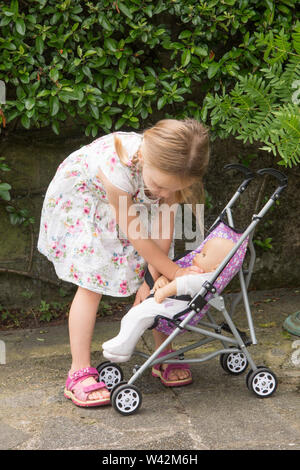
[
  {"x": 167, "y": 291},
  {"x": 189, "y": 284}
]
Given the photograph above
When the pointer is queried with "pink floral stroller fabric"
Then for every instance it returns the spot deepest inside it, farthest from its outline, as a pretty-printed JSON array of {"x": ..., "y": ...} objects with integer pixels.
[{"x": 231, "y": 269}]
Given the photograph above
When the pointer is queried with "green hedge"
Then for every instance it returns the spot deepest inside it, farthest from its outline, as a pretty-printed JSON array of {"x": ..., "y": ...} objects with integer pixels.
[{"x": 111, "y": 64}]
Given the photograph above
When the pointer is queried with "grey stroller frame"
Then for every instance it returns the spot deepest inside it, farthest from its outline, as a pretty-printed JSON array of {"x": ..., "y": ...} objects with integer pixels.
[{"x": 235, "y": 357}]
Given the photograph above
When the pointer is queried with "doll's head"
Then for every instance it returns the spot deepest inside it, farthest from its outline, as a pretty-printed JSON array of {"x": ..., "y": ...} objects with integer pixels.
[{"x": 213, "y": 253}]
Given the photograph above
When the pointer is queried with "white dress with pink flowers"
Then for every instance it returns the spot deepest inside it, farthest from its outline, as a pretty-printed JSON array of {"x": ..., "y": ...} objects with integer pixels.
[{"x": 78, "y": 230}]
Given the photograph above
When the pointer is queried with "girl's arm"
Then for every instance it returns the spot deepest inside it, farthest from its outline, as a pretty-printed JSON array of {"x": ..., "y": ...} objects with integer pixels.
[
  {"x": 164, "y": 231},
  {"x": 121, "y": 201}
]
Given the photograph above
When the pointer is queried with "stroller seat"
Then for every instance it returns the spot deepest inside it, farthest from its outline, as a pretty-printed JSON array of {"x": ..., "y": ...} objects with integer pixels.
[{"x": 221, "y": 230}]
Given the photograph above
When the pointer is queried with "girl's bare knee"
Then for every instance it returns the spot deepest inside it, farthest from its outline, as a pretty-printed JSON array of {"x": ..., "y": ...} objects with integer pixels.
[
  {"x": 89, "y": 293},
  {"x": 87, "y": 296}
]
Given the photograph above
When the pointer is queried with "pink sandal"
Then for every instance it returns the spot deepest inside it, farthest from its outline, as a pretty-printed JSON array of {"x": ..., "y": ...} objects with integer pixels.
[
  {"x": 78, "y": 393},
  {"x": 164, "y": 374}
]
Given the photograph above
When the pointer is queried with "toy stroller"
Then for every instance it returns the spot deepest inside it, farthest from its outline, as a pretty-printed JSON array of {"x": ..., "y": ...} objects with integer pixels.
[{"x": 234, "y": 355}]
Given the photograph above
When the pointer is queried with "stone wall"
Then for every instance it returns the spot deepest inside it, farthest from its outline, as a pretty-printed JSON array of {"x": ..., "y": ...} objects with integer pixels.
[{"x": 34, "y": 156}]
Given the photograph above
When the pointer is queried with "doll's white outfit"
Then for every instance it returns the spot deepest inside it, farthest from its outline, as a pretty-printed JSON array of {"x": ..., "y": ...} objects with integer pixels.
[{"x": 142, "y": 316}]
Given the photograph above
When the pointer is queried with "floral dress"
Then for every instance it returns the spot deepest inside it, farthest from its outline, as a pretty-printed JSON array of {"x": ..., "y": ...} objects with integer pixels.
[{"x": 78, "y": 230}]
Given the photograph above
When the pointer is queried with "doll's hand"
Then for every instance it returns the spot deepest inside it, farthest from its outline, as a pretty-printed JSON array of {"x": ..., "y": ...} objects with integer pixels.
[
  {"x": 188, "y": 270},
  {"x": 160, "y": 295},
  {"x": 160, "y": 282}
]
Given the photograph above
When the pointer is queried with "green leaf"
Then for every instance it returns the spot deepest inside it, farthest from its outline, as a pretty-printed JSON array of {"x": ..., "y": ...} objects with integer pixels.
[
  {"x": 43, "y": 93},
  {"x": 104, "y": 22},
  {"x": 107, "y": 120},
  {"x": 95, "y": 111},
  {"x": 29, "y": 103},
  {"x": 185, "y": 34},
  {"x": 86, "y": 70},
  {"x": 161, "y": 102},
  {"x": 54, "y": 74},
  {"x": 110, "y": 44},
  {"x": 5, "y": 187},
  {"x": 94, "y": 131},
  {"x": 148, "y": 10},
  {"x": 5, "y": 21},
  {"x": 20, "y": 26},
  {"x": 25, "y": 121},
  {"x": 14, "y": 6},
  {"x": 5, "y": 195},
  {"x": 122, "y": 65},
  {"x": 54, "y": 105},
  {"x": 125, "y": 10},
  {"x": 120, "y": 122},
  {"x": 20, "y": 92},
  {"x": 185, "y": 57},
  {"x": 39, "y": 45},
  {"x": 55, "y": 127},
  {"x": 15, "y": 219},
  {"x": 121, "y": 98},
  {"x": 89, "y": 53},
  {"x": 200, "y": 51},
  {"x": 213, "y": 69}
]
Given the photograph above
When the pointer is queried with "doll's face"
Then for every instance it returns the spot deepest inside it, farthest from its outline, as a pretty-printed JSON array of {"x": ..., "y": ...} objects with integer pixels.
[{"x": 213, "y": 253}]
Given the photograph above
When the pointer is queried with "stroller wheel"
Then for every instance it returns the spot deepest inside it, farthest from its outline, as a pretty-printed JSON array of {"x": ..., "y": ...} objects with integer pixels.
[
  {"x": 234, "y": 363},
  {"x": 110, "y": 373},
  {"x": 249, "y": 375},
  {"x": 126, "y": 399},
  {"x": 263, "y": 382}
]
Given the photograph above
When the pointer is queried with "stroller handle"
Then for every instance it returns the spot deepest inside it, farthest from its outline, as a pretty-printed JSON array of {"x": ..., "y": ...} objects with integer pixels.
[
  {"x": 243, "y": 169},
  {"x": 281, "y": 177}
]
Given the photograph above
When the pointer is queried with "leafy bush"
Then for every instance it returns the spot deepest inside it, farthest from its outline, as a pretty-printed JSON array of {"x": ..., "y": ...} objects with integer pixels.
[
  {"x": 110, "y": 64},
  {"x": 265, "y": 106}
]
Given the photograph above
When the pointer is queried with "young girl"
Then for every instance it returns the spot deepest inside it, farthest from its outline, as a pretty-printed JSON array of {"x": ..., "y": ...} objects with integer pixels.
[{"x": 96, "y": 241}]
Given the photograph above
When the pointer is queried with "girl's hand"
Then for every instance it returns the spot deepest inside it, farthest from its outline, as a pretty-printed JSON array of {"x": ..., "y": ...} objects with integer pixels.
[
  {"x": 142, "y": 293},
  {"x": 189, "y": 270},
  {"x": 160, "y": 295},
  {"x": 160, "y": 282}
]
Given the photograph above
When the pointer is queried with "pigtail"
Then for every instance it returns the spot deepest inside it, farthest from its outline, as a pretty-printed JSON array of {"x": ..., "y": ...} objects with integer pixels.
[
  {"x": 121, "y": 151},
  {"x": 123, "y": 154}
]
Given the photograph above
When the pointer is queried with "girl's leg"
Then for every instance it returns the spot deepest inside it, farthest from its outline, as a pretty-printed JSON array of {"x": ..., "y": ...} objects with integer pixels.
[
  {"x": 82, "y": 319},
  {"x": 175, "y": 374}
]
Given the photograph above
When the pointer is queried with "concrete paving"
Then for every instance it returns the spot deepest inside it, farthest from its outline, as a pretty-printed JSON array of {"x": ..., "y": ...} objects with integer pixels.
[{"x": 217, "y": 411}]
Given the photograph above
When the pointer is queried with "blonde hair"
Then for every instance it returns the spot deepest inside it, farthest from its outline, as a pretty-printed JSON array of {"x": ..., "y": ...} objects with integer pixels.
[{"x": 177, "y": 147}]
